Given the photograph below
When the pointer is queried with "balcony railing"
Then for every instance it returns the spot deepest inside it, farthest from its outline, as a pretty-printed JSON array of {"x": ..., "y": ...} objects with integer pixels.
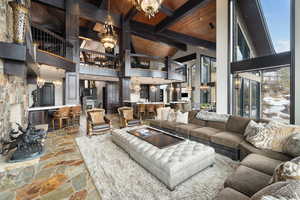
[
  {"x": 49, "y": 41},
  {"x": 147, "y": 62},
  {"x": 99, "y": 59}
]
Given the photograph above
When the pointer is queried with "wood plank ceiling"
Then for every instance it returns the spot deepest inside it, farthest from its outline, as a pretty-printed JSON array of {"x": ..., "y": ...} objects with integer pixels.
[{"x": 199, "y": 24}]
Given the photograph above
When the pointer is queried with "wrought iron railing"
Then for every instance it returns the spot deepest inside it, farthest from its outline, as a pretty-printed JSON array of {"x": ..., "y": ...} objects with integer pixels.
[
  {"x": 147, "y": 62},
  {"x": 99, "y": 59},
  {"x": 49, "y": 41}
]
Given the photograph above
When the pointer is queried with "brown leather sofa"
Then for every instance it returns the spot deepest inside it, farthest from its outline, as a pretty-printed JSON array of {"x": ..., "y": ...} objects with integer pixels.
[{"x": 226, "y": 137}]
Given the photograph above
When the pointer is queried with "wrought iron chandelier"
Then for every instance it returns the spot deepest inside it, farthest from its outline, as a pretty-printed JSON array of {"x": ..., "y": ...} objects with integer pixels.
[
  {"x": 109, "y": 38},
  {"x": 149, "y": 7}
]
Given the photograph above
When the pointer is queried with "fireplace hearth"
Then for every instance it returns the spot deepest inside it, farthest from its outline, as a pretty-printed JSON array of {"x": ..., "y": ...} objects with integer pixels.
[{"x": 24, "y": 144}]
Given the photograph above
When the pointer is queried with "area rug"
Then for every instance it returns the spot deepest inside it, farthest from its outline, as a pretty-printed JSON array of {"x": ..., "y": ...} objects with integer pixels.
[{"x": 118, "y": 177}]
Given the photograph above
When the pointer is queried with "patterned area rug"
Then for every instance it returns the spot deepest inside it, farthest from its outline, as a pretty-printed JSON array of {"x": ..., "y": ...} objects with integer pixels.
[{"x": 118, "y": 177}]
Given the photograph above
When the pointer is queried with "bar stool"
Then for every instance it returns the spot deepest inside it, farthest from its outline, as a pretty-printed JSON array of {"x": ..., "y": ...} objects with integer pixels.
[
  {"x": 150, "y": 108},
  {"x": 75, "y": 113},
  {"x": 61, "y": 115},
  {"x": 141, "y": 111}
]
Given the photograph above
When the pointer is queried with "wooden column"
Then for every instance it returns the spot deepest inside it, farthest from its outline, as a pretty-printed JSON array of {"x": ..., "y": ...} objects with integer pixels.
[
  {"x": 125, "y": 50},
  {"x": 72, "y": 35}
]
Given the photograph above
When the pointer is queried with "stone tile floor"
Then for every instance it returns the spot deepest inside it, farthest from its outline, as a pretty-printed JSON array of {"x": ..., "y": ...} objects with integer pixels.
[{"x": 60, "y": 174}]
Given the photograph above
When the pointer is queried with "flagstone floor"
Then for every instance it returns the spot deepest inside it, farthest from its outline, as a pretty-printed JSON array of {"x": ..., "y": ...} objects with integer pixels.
[{"x": 60, "y": 173}]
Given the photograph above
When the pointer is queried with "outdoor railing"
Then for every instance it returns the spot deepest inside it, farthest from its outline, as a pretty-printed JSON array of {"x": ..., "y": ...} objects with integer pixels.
[
  {"x": 49, "y": 41},
  {"x": 99, "y": 59}
]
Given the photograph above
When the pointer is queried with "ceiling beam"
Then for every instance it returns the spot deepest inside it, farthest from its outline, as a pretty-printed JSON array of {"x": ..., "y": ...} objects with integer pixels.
[
  {"x": 182, "y": 38},
  {"x": 88, "y": 11},
  {"x": 154, "y": 38},
  {"x": 131, "y": 13},
  {"x": 181, "y": 12},
  {"x": 60, "y": 4},
  {"x": 166, "y": 10}
]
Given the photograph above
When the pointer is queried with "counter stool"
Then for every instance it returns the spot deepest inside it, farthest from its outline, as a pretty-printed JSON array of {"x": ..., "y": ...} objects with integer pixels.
[
  {"x": 75, "y": 113},
  {"x": 141, "y": 111},
  {"x": 150, "y": 108},
  {"x": 61, "y": 115}
]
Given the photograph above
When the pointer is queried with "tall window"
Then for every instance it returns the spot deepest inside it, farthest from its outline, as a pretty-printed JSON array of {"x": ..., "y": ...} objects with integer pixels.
[
  {"x": 208, "y": 78},
  {"x": 260, "y": 31}
]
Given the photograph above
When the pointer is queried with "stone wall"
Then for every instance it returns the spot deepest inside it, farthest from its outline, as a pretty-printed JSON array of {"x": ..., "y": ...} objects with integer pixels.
[{"x": 13, "y": 90}]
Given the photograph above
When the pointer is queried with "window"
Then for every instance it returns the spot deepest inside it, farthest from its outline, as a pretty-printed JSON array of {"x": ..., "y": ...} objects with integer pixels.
[{"x": 208, "y": 78}]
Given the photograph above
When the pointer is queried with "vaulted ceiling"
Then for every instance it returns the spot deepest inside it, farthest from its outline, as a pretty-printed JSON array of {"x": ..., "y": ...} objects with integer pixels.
[{"x": 179, "y": 23}]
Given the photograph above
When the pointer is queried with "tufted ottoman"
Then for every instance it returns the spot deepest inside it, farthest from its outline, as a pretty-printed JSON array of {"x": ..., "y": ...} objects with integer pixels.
[{"x": 171, "y": 165}]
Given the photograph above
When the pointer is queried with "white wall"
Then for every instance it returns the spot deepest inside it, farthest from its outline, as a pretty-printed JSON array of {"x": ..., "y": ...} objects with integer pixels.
[
  {"x": 222, "y": 56},
  {"x": 297, "y": 61}
]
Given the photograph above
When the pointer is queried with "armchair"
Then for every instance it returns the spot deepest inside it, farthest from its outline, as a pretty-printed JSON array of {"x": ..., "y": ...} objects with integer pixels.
[
  {"x": 126, "y": 117},
  {"x": 97, "y": 122}
]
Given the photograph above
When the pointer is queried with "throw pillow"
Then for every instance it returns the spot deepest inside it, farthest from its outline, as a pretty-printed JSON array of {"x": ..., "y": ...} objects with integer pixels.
[
  {"x": 165, "y": 113},
  {"x": 279, "y": 191},
  {"x": 287, "y": 171},
  {"x": 258, "y": 135},
  {"x": 172, "y": 115},
  {"x": 212, "y": 116},
  {"x": 292, "y": 145},
  {"x": 128, "y": 114},
  {"x": 182, "y": 117},
  {"x": 280, "y": 133},
  {"x": 159, "y": 113}
]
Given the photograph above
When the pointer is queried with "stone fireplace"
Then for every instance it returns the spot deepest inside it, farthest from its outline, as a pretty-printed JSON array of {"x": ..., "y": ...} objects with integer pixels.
[{"x": 13, "y": 89}]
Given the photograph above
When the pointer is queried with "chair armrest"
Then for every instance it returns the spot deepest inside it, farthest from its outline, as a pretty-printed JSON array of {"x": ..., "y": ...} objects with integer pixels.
[{"x": 107, "y": 120}]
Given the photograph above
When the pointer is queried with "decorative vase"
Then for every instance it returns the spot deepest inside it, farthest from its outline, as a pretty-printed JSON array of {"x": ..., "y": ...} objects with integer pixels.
[{"x": 20, "y": 18}]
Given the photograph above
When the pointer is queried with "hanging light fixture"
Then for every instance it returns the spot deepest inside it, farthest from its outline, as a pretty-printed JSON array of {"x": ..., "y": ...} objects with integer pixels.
[
  {"x": 109, "y": 38},
  {"x": 149, "y": 7}
]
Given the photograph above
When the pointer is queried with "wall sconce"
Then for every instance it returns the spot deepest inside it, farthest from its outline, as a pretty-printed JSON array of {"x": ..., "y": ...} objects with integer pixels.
[
  {"x": 57, "y": 83},
  {"x": 20, "y": 16},
  {"x": 153, "y": 88},
  {"x": 237, "y": 83},
  {"x": 204, "y": 87},
  {"x": 177, "y": 89},
  {"x": 40, "y": 82},
  {"x": 171, "y": 88}
]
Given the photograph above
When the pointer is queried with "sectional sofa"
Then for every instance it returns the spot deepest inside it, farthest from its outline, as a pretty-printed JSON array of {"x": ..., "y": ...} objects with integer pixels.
[
  {"x": 256, "y": 167},
  {"x": 226, "y": 137}
]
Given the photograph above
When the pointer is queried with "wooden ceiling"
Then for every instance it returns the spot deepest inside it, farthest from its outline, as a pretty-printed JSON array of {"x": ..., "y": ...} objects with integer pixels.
[{"x": 200, "y": 24}]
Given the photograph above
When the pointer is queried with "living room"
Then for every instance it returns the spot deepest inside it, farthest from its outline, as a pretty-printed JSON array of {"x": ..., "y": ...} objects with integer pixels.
[{"x": 150, "y": 99}]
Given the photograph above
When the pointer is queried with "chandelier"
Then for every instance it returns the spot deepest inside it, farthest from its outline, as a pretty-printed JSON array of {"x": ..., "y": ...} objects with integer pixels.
[
  {"x": 149, "y": 7},
  {"x": 109, "y": 38}
]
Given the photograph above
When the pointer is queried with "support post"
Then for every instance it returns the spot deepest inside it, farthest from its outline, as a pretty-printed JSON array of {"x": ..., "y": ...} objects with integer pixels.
[
  {"x": 196, "y": 91},
  {"x": 72, "y": 36},
  {"x": 222, "y": 56},
  {"x": 296, "y": 74}
]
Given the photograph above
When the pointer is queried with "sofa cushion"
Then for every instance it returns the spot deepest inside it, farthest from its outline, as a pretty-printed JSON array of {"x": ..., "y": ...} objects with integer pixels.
[
  {"x": 187, "y": 128},
  {"x": 100, "y": 127},
  {"x": 280, "y": 191},
  {"x": 231, "y": 194},
  {"x": 198, "y": 122},
  {"x": 133, "y": 122},
  {"x": 204, "y": 133},
  {"x": 170, "y": 125},
  {"x": 154, "y": 122},
  {"x": 237, "y": 124},
  {"x": 247, "y": 148},
  {"x": 192, "y": 114},
  {"x": 217, "y": 125},
  {"x": 261, "y": 163},
  {"x": 227, "y": 139},
  {"x": 212, "y": 116},
  {"x": 247, "y": 181}
]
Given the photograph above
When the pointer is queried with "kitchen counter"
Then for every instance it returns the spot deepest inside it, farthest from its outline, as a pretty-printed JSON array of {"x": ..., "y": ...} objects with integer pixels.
[{"x": 49, "y": 107}]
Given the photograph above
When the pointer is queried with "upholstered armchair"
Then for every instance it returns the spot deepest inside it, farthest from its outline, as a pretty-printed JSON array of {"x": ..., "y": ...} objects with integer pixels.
[
  {"x": 126, "y": 117},
  {"x": 97, "y": 122}
]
